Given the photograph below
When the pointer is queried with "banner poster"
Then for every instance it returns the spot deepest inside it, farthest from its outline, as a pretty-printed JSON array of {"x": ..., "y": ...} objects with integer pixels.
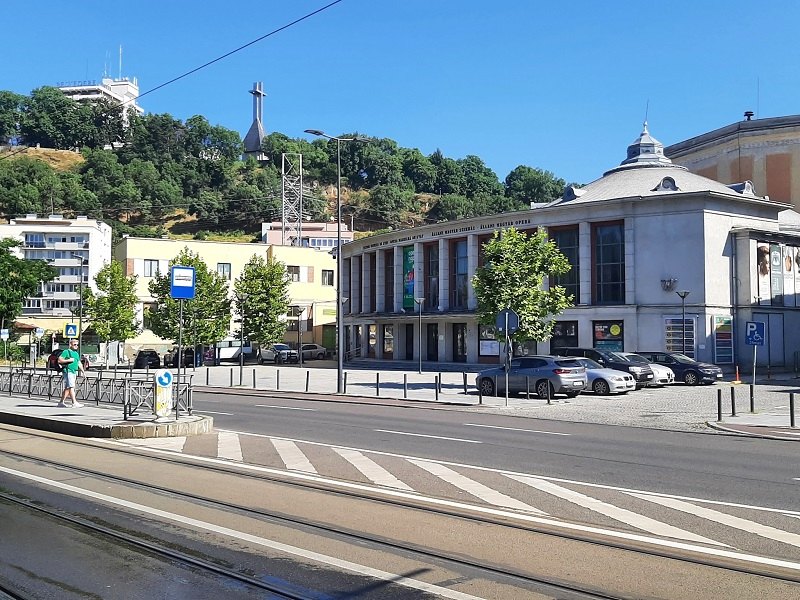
[
  {"x": 796, "y": 275},
  {"x": 789, "y": 267},
  {"x": 763, "y": 290},
  {"x": 408, "y": 277},
  {"x": 776, "y": 274},
  {"x": 723, "y": 340}
]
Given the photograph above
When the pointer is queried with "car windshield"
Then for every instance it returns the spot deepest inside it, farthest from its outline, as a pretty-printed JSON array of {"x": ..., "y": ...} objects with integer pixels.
[
  {"x": 569, "y": 363},
  {"x": 613, "y": 356},
  {"x": 281, "y": 347},
  {"x": 590, "y": 364},
  {"x": 682, "y": 358},
  {"x": 635, "y": 358}
]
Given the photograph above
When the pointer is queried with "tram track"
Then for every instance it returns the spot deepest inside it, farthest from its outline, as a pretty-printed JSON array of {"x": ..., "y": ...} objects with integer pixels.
[{"x": 424, "y": 553}]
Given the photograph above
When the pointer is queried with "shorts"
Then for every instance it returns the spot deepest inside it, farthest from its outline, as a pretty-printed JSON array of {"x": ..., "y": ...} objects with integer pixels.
[{"x": 70, "y": 377}]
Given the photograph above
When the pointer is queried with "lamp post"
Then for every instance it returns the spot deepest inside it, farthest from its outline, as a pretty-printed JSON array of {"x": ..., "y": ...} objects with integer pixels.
[
  {"x": 419, "y": 302},
  {"x": 683, "y": 294},
  {"x": 339, "y": 327},
  {"x": 80, "y": 305},
  {"x": 242, "y": 299}
]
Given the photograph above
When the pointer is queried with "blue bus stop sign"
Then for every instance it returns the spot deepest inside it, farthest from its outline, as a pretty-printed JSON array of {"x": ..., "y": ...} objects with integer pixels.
[
  {"x": 754, "y": 332},
  {"x": 182, "y": 282}
]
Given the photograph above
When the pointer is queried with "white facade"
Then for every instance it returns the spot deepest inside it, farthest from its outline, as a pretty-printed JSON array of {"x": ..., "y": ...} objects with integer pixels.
[
  {"x": 642, "y": 232},
  {"x": 77, "y": 248},
  {"x": 314, "y": 235},
  {"x": 122, "y": 90}
]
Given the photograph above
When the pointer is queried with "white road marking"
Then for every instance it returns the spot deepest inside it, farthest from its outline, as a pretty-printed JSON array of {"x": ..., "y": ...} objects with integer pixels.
[
  {"x": 175, "y": 444},
  {"x": 250, "y": 538},
  {"x": 473, "y": 487},
  {"x": 283, "y": 407},
  {"x": 620, "y": 514},
  {"x": 514, "y": 429},
  {"x": 436, "y": 437},
  {"x": 371, "y": 470},
  {"x": 229, "y": 446},
  {"x": 787, "y": 432},
  {"x": 292, "y": 456},
  {"x": 212, "y": 412},
  {"x": 765, "y": 531}
]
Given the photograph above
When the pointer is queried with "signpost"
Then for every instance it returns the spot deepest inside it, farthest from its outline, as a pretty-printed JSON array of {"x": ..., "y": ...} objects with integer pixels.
[
  {"x": 507, "y": 323},
  {"x": 755, "y": 332},
  {"x": 162, "y": 394},
  {"x": 181, "y": 287},
  {"x": 70, "y": 330},
  {"x": 4, "y": 337}
]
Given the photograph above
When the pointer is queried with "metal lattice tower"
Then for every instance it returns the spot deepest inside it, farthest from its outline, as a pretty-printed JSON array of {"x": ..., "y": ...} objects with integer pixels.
[{"x": 292, "y": 196}]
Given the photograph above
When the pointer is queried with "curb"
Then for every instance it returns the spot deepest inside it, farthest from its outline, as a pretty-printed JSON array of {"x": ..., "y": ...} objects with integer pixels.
[{"x": 730, "y": 430}]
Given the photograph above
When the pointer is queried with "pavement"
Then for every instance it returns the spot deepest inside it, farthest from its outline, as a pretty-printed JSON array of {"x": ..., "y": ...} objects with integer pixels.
[{"x": 677, "y": 408}]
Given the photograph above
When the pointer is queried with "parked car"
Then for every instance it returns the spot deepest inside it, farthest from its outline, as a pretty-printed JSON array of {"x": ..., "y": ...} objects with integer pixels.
[
  {"x": 314, "y": 351},
  {"x": 546, "y": 375},
  {"x": 604, "y": 381},
  {"x": 52, "y": 360},
  {"x": 147, "y": 358},
  {"x": 277, "y": 353},
  {"x": 686, "y": 369},
  {"x": 661, "y": 375},
  {"x": 642, "y": 374},
  {"x": 187, "y": 358}
]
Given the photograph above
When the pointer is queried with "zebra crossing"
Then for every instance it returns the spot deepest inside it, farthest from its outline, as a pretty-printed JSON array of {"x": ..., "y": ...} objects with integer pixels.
[{"x": 703, "y": 522}]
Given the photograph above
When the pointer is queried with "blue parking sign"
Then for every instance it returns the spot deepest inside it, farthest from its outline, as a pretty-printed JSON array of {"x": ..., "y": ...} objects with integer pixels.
[{"x": 754, "y": 333}]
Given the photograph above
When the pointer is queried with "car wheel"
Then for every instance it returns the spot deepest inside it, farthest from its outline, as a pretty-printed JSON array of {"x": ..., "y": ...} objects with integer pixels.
[
  {"x": 486, "y": 387},
  {"x": 320, "y": 356},
  {"x": 601, "y": 387},
  {"x": 543, "y": 388},
  {"x": 277, "y": 359},
  {"x": 691, "y": 378},
  {"x": 260, "y": 360}
]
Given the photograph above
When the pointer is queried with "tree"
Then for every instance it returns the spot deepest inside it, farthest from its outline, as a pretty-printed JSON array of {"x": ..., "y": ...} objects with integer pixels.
[
  {"x": 51, "y": 119},
  {"x": 10, "y": 114},
  {"x": 112, "y": 311},
  {"x": 19, "y": 279},
  {"x": 527, "y": 184},
  {"x": 478, "y": 178},
  {"x": 206, "y": 318},
  {"x": 262, "y": 296},
  {"x": 515, "y": 266}
]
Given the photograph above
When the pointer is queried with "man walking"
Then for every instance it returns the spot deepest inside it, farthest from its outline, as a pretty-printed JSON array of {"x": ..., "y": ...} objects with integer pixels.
[{"x": 71, "y": 361}]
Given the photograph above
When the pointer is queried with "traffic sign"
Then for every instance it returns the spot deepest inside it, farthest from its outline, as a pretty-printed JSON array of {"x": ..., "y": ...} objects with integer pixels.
[
  {"x": 163, "y": 378},
  {"x": 162, "y": 395},
  {"x": 4, "y": 334},
  {"x": 507, "y": 318},
  {"x": 755, "y": 332},
  {"x": 182, "y": 282},
  {"x": 70, "y": 330},
  {"x": 38, "y": 332}
]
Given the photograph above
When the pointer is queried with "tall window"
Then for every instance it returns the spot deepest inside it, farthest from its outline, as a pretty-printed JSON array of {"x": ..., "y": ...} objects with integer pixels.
[
  {"x": 388, "y": 282},
  {"x": 431, "y": 257},
  {"x": 567, "y": 241},
  {"x": 224, "y": 269},
  {"x": 608, "y": 240},
  {"x": 150, "y": 267},
  {"x": 293, "y": 272},
  {"x": 327, "y": 277},
  {"x": 458, "y": 297}
]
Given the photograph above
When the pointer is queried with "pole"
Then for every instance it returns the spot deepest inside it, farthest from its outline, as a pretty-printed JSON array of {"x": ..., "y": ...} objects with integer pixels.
[
  {"x": 80, "y": 315},
  {"x": 755, "y": 351},
  {"x": 241, "y": 348},
  {"x": 683, "y": 324},
  {"x": 299, "y": 340},
  {"x": 506, "y": 364},
  {"x": 419, "y": 341},
  {"x": 180, "y": 341},
  {"x": 339, "y": 327}
]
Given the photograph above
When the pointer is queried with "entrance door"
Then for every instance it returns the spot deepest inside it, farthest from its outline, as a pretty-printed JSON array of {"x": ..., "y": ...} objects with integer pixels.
[
  {"x": 459, "y": 342},
  {"x": 433, "y": 342},
  {"x": 409, "y": 341}
]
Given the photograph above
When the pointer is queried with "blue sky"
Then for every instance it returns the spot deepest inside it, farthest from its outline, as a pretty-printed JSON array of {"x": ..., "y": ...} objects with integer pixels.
[{"x": 558, "y": 85}]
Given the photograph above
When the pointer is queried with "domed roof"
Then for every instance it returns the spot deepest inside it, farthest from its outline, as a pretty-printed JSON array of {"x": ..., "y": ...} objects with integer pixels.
[{"x": 645, "y": 151}]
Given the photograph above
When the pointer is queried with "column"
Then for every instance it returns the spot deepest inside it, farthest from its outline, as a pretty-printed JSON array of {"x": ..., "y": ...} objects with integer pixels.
[
  {"x": 380, "y": 281},
  {"x": 345, "y": 282},
  {"x": 472, "y": 266},
  {"x": 398, "y": 280},
  {"x": 585, "y": 263},
  {"x": 444, "y": 274},
  {"x": 355, "y": 283},
  {"x": 365, "y": 283}
]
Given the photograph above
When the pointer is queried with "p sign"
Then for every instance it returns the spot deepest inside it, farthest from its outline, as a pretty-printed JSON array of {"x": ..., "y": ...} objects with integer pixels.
[{"x": 754, "y": 333}]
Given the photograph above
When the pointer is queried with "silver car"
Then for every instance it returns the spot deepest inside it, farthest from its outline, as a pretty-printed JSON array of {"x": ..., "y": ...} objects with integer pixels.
[
  {"x": 604, "y": 381},
  {"x": 277, "y": 353},
  {"x": 662, "y": 375},
  {"x": 544, "y": 375}
]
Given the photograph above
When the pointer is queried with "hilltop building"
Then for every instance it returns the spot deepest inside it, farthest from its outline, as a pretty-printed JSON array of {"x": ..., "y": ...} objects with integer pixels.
[
  {"x": 645, "y": 230},
  {"x": 322, "y": 235},
  {"x": 122, "y": 90}
]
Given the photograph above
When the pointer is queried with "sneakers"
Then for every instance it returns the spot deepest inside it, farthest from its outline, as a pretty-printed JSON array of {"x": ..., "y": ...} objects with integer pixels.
[
  {"x": 61, "y": 405},
  {"x": 76, "y": 405}
]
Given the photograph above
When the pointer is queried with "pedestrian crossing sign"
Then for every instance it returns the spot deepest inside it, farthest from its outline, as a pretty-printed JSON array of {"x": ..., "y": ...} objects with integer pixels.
[{"x": 70, "y": 330}]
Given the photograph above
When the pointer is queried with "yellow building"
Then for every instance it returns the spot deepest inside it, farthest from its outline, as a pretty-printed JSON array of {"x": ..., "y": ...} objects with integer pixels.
[{"x": 312, "y": 273}]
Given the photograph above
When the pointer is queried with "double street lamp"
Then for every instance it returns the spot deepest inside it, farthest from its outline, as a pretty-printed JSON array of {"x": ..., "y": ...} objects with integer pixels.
[
  {"x": 241, "y": 299},
  {"x": 339, "y": 303},
  {"x": 419, "y": 302},
  {"x": 683, "y": 294},
  {"x": 80, "y": 304}
]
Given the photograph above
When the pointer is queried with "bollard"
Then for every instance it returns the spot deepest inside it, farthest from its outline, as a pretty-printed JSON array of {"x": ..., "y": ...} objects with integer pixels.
[
  {"x": 345, "y": 383},
  {"x": 752, "y": 399},
  {"x": 719, "y": 406},
  {"x": 480, "y": 394},
  {"x": 231, "y": 376},
  {"x": 439, "y": 383},
  {"x": 791, "y": 409},
  {"x": 436, "y": 382},
  {"x": 548, "y": 392},
  {"x": 147, "y": 370},
  {"x": 377, "y": 384},
  {"x": 464, "y": 375},
  {"x": 30, "y": 384},
  {"x": 405, "y": 385},
  {"x": 527, "y": 387},
  {"x": 277, "y": 379},
  {"x": 733, "y": 402},
  {"x": 254, "y": 378},
  {"x": 207, "y": 372},
  {"x": 495, "y": 386},
  {"x": 308, "y": 379}
]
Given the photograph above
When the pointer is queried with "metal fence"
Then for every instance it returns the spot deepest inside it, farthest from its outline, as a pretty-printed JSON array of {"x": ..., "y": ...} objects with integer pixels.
[{"x": 133, "y": 393}]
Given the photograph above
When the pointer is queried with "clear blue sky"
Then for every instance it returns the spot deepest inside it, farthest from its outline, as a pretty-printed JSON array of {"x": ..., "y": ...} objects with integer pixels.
[{"x": 557, "y": 85}]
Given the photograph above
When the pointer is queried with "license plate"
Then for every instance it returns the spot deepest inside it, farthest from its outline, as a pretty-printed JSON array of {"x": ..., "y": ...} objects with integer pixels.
[
  {"x": 719, "y": 375},
  {"x": 649, "y": 376},
  {"x": 577, "y": 383}
]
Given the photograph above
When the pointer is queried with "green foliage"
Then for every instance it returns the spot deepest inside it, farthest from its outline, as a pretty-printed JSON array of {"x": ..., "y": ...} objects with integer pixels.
[
  {"x": 262, "y": 296},
  {"x": 112, "y": 311},
  {"x": 515, "y": 265},
  {"x": 206, "y": 318},
  {"x": 10, "y": 115},
  {"x": 526, "y": 185},
  {"x": 19, "y": 279}
]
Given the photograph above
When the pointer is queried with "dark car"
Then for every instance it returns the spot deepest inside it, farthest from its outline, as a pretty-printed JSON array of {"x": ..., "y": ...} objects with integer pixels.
[
  {"x": 642, "y": 373},
  {"x": 187, "y": 357},
  {"x": 147, "y": 359},
  {"x": 687, "y": 370},
  {"x": 52, "y": 360}
]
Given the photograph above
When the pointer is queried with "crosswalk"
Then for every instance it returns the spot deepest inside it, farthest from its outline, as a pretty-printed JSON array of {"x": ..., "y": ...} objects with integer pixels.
[{"x": 698, "y": 521}]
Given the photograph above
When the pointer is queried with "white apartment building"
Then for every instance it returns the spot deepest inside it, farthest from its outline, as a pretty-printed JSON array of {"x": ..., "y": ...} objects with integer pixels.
[
  {"x": 319, "y": 235},
  {"x": 122, "y": 90},
  {"x": 77, "y": 248}
]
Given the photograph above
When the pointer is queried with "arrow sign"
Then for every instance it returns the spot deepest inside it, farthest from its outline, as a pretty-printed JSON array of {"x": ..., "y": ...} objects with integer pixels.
[{"x": 163, "y": 378}]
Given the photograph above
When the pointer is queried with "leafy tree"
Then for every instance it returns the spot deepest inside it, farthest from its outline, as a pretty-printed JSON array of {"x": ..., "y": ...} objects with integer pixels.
[
  {"x": 19, "y": 279},
  {"x": 105, "y": 177},
  {"x": 449, "y": 175},
  {"x": 527, "y": 184},
  {"x": 112, "y": 311},
  {"x": 419, "y": 169},
  {"x": 262, "y": 296},
  {"x": 515, "y": 266},
  {"x": 51, "y": 119},
  {"x": 452, "y": 207},
  {"x": 206, "y": 318},
  {"x": 388, "y": 204},
  {"x": 10, "y": 115},
  {"x": 478, "y": 178}
]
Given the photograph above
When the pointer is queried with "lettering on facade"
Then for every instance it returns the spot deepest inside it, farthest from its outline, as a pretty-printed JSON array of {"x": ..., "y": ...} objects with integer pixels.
[{"x": 408, "y": 238}]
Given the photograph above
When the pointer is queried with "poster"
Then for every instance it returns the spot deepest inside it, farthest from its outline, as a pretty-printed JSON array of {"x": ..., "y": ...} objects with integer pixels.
[
  {"x": 776, "y": 274},
  {"x": 789, "y": 268},
  {"x": 763, "y": 292},
  {"x": 723, "y": 340},
  {"x": 408, "y": 277}
]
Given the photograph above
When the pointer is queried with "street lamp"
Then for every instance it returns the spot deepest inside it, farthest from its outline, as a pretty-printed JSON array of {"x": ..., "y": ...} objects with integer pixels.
[
  {"x": 683, "y": 294},
  {"x": 419, "y": 302},
  {"x": 241, "y": 300},
  {"x": 80, "y": 304},
  {"x": 339, "y": 327}
]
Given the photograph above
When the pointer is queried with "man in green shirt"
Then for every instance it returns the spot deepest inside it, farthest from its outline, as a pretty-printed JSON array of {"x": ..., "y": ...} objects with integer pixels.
[{"x": 71, "y": 361}]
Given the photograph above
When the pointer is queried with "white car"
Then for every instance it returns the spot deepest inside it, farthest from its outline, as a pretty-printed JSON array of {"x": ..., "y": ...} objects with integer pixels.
[
  {"x": 604, "y": 381},
  {"x": 314, "y": 351},
  {"x": 662, "y": 375}
]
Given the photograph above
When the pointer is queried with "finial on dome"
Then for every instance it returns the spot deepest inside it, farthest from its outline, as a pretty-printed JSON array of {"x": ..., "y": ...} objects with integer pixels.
[{"x": 644, "y": 127}]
